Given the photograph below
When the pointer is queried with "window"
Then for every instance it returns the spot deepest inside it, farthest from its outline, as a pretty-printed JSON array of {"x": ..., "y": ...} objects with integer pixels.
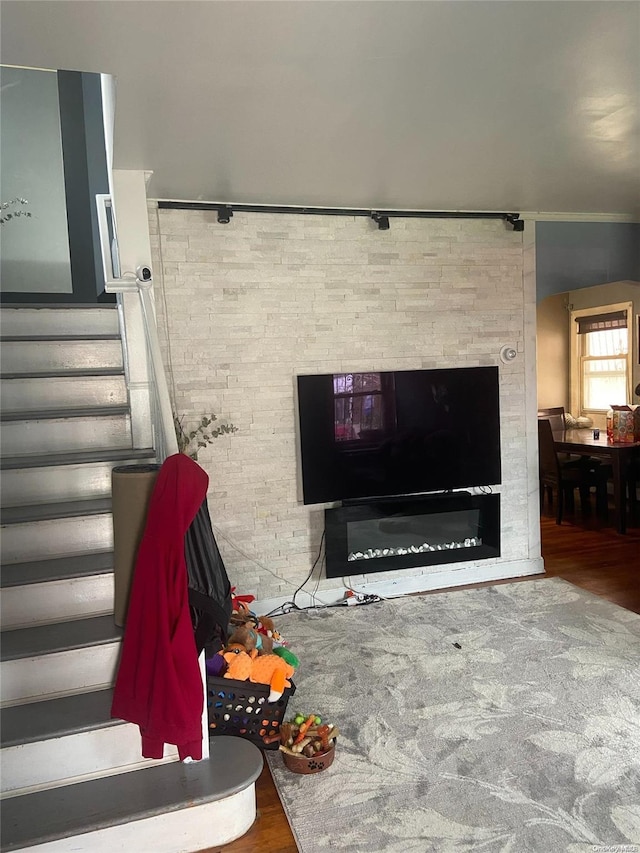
[
  {"x": 601, "y": 367},
  {"x": 358, "y": 405}
]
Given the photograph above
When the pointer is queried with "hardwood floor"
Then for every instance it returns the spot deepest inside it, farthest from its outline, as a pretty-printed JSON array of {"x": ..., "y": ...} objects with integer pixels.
[
  {"x": 597, "y": 559},
  {"x": 583, "y": 551}
]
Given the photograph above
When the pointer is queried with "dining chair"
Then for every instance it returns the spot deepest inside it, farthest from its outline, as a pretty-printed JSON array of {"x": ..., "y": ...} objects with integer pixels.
[
  {"x": 633, "y": 480},
  {"x": 564, "y": 478},
  {"x": 555, "y": 416}
]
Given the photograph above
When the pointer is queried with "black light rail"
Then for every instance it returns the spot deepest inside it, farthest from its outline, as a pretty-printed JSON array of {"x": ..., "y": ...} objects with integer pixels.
[{"x": 226, "y": 211}]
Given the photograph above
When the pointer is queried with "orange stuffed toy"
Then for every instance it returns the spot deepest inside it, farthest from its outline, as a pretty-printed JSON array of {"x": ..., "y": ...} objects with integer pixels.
[
  {"x": 261, "y": 669},
  {"x": 238, "y": 662},
  {"x": 274, "y": 671}
]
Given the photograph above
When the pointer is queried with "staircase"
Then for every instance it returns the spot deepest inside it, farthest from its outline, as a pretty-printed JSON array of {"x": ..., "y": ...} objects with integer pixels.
[{"x": 72, "y": 778}]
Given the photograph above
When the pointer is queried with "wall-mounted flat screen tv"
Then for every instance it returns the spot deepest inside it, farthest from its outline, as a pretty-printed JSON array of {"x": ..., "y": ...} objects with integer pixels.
[{"x": 402, "y": 432}]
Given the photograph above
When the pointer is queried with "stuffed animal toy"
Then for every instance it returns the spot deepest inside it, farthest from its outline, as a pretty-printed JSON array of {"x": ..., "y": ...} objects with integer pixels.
[
  {"x": 261, "y": 669},
  {"x": 239, "y": 662},
  {"x": 267, "y": 626},
  {"x": 287, "y": 655},
  {"x": 274, "y": 671},
  {"x": 240, "y": 613},
  {"x": 216, "y": 665},
  {"x": 251, "y": 639}
]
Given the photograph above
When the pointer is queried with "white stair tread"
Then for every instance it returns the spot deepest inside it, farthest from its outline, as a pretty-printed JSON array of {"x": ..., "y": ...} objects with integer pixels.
[
  {"x": 44, "y": 816},
  {"x": 76, "y": 412},
  {"x": 58, "y": 306},
  {"x": 88, "y": 337},
  {"x": 59, "y": 637},
  {"x": 63, "y": 509},
  {"x": 54, "y": 718},
  {"x": 60, "y": 568},
  {"x": 49, "y": 460},
  {"x": 65, "y": 373}
]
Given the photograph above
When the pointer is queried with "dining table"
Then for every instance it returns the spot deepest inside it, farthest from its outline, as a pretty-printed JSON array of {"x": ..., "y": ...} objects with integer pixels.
[{"x": 618, "y": 454}]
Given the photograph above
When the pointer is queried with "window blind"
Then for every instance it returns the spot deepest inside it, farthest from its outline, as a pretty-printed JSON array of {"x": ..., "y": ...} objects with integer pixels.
[{"x": 602, "y": 322}]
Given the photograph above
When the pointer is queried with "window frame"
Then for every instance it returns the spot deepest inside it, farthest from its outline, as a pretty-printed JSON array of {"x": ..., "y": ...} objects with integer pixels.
[
  {"x": 575, "y": 372},
  {"x": 385, "y": 393}
]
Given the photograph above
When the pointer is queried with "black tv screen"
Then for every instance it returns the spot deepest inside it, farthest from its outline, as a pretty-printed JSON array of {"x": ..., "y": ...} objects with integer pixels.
[{"x": 403, "y": 432}]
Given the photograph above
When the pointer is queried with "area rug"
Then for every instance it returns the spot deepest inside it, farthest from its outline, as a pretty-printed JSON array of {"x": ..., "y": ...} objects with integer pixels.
[{"x": 504, "y": 719}]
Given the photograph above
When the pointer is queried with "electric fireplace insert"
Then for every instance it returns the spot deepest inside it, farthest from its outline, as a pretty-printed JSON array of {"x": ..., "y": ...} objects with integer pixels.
[{"x": 402, "y": 533}]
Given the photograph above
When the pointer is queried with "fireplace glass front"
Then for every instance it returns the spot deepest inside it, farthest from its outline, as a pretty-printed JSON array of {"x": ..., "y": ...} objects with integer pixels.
[{"x": 404, "y": 533}]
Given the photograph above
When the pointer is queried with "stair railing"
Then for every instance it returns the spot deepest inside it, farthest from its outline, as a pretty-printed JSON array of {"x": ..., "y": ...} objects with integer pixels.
[
  {"x": 138, "y": 319},
  {"x": 146, "y": 383}
]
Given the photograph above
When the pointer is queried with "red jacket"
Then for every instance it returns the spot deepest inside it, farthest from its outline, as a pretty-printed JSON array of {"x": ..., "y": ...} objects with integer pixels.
[{"x": 158, "y": 685}]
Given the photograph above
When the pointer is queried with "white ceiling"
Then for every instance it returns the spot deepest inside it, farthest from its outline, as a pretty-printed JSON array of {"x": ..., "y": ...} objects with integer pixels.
[{"x": 454, "y": 105}]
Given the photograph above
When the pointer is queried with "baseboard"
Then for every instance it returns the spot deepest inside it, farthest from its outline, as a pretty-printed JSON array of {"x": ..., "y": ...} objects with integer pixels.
[{"x": 393, "y": 587}]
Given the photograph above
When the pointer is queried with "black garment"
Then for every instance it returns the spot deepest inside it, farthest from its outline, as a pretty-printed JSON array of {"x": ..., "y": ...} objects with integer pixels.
[{"x": 209, "y": 587}]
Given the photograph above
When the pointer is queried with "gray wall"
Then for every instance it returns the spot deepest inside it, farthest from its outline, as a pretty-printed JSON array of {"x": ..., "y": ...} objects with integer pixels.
[
  {"x": 35, "y": 250},
  {"x": 572, "y": 255}
]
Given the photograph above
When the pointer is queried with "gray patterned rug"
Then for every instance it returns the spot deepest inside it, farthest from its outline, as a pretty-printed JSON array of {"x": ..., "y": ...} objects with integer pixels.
[{"x": 525, "y": 738}]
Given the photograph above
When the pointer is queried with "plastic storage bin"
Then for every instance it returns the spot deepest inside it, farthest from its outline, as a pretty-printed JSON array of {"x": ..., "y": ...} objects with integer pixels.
[{"x": 240, "y": 708}]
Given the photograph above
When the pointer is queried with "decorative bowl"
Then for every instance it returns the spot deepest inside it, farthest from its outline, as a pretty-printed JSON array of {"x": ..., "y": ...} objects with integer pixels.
[{"x": 301, "y": 764}]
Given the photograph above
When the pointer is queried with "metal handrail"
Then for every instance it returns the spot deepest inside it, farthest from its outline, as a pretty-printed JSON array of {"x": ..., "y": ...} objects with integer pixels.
[
  {"x": 162, "y": 421},
  {"x": 162, "y": 417}
]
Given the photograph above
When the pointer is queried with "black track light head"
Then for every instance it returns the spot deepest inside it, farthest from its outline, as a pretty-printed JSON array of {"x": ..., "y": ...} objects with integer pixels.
[
  {"x": 224, "y": 215},
  {"x": 514, "y": 220},
  {"x": 383, "y": 221}
]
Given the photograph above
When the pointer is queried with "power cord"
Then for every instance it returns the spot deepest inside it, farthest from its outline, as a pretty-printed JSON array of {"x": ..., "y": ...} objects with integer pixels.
[
  {"x": 288, "y": 606},
  {"x": 260, "y": 565},
  {"x": 358, "y": 596}
]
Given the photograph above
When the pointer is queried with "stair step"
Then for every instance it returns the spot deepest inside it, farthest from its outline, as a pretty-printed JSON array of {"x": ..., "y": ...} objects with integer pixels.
[
  {"x": 21, "y": 356},
  {"x": 57, "y": 601},
  {"x": 59, "y": 637},
  {"x": 50, "y": 591},
  {"x": 24, "y": 486},
  {"x": 37, "y": 540},
  {"x": 60, "y": 568},
  {"x": 26, "y": 394},
  {"x": 68, "y": 412},
  {"x": 118, "y": 455},
  {"x": 47, "y": 661},
  {"x": 58, "y": 319},
  {"x": 59, "y": 741},
  {"x": 59, "y": 674},
  {"x": 62, "y": 509},
  {"x": 115, "y": 813},
  {"x": 39, "y": 338},
  {"x": 55, "y": 718},
  {"x": 77, "y": 757},
  {"x": 66, "y": 435},
  {"x": 72, "y": 372}
]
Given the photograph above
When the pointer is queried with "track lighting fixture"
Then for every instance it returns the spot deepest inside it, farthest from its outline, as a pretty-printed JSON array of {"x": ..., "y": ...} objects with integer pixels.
[
  {"x": 224, "y": 214},
  {"x": 514, "y": 220},
  {"x": 383, "y": 221}
]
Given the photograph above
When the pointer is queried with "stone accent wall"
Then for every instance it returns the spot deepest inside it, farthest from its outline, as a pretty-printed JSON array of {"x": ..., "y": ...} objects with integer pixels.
[{"x": 245, "y": 307}]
